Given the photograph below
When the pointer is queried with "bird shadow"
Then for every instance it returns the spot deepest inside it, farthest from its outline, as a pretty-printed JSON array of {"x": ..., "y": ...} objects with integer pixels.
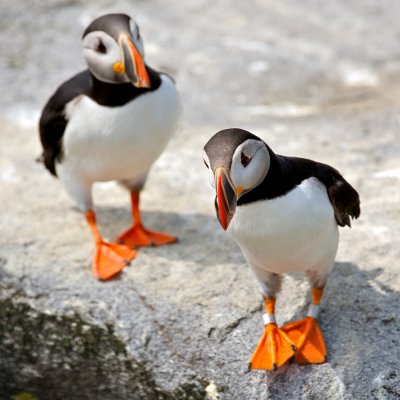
[
  {"x": 200, "y": 237},
  {"x": 360, "y": 323}
]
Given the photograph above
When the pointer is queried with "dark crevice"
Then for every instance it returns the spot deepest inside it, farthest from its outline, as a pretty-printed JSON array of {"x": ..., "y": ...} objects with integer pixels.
[
  {"x": 161, "y": 328},
  {"x": 221, "y": 334}
]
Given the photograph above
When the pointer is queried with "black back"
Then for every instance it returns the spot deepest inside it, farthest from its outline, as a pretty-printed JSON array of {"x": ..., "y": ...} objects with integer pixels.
[
  {"x": 286, "y": 173},
  {"x": 53, "y": 121}
]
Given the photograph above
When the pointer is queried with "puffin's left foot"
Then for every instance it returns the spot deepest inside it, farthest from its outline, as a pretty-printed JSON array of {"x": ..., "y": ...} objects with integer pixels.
[
  {"x": 139, "y": 236},
  {"x": 307, "y": 336},
  {"x": 109, "y": 258}
]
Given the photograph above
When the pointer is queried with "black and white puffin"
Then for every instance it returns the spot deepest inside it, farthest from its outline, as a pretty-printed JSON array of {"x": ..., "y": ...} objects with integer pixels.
[
  {"x": 284, "y": 213},
  {"x": 110, "y": 122}
]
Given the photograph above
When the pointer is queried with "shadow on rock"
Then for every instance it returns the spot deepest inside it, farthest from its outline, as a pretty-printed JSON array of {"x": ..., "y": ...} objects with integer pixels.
[
  {"x": 361, "y": 325},
  {"x": 200, "y": 238}
]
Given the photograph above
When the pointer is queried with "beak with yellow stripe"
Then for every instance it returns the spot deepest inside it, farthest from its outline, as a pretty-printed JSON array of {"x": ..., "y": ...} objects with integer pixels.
[
  {"x": 226, "y": 197},
  {"x": 132, "y": 62}
]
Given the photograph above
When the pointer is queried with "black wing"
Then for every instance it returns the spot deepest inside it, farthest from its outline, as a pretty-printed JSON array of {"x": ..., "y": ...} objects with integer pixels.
[
  {"x": 53, "y": 121},
  {"x": 343, "y": 197}
]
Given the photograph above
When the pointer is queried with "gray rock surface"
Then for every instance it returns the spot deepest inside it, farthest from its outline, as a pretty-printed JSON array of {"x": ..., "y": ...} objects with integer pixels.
[{"x": 314, "y": 79}]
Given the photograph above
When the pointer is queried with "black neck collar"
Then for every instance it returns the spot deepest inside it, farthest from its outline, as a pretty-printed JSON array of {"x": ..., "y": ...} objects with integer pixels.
[{"x": 118, "y": 94}]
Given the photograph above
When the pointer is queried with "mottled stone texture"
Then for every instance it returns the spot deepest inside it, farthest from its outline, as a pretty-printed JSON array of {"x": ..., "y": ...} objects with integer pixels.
[
  {"x": 65, "y": 357},
  {"x": 314, "y": 79}
]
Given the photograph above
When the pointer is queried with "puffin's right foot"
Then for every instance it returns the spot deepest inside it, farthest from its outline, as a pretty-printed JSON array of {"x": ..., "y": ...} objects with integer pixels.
[
  {"x": 273, "y": 350},
  {"x": 110, "y": 258},
  {"x": 139, "y": 236}
]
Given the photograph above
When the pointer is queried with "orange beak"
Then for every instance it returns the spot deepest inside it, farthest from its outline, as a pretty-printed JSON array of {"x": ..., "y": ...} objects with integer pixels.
[
  {"x": 133, "y": 63},
  {"x": 226, "y": 198}
]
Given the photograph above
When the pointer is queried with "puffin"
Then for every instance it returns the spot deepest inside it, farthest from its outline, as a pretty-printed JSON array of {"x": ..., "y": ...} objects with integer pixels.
[
  {"x": 284, "y": 213},
  {"x": 110, "y": 122}
]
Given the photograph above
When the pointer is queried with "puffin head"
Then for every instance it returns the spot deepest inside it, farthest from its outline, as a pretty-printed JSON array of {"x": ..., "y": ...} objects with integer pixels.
[
  {"x": 113, "y": 50},
  {"x": 238, "y": 161}
]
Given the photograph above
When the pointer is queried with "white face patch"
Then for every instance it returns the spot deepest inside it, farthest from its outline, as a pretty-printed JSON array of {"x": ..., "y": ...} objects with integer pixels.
[
  {"x": 101, "y": 52},
  {"x": 210, "y": 173},
  {"x": 250, "y": 164}
]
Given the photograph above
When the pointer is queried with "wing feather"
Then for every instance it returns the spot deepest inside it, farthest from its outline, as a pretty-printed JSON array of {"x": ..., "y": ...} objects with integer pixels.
[{"x": 53, "y": 121}]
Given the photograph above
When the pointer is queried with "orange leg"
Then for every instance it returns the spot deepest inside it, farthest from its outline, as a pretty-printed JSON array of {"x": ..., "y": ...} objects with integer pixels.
[
  {"x": 137, "y": 235},
  {"x": 275, "y": 347},
  {"x": 109, "y": 258},
  {"x": 307, "y": 334}
]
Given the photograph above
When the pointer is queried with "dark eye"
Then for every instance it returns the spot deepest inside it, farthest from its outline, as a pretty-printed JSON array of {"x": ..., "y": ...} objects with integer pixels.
[
  {"x": 100, "y": 48},
  {"x": 245, "y": 160},
  {"x": 205, "y": 163}
]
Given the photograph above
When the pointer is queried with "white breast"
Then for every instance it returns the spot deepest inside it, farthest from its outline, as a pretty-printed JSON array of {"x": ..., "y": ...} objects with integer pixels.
[
  {"x": 294, "y": 232},
  {"x": 116, "y": 143}
]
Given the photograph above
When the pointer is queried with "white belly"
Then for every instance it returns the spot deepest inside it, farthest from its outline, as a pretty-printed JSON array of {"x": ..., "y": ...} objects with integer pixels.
[
  {"x": 116, "y": 143},
  {"x": 295, "y": 232}
]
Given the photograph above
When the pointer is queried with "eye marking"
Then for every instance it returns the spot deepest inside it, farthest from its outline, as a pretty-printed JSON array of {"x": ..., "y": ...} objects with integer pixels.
[
  {"x": 100, "y": 48},
  {"x": 205, "y": 163},
  {"x": 244, "y": 160}
]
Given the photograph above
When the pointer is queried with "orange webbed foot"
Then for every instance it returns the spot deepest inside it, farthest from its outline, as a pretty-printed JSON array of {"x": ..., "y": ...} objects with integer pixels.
[
  {"x": 139, "y": 236},
  {"x": 273, "y": 350},
  {"x": 110, "y": 258},
  {"x": 307, "y": 336}
]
